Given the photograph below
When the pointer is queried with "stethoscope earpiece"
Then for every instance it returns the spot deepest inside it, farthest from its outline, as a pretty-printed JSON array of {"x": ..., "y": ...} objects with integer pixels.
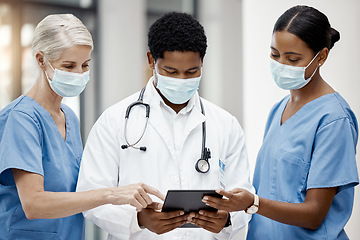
[{"x": 140, "y": 148}]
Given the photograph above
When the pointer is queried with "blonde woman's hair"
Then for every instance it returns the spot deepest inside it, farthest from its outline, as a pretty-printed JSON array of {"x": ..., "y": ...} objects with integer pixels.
[{"x": 57, "y": 32}]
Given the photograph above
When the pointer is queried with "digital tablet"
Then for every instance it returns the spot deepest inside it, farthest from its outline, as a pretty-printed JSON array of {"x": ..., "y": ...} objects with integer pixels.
[{"x": 188, "y": 201}]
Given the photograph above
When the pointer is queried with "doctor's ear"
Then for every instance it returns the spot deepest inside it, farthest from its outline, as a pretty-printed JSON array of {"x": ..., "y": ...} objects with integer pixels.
[
  {"x": 324, "y": 53},
  {"x": 151, "y": 60},
  {"x": 40, "y": 60}
]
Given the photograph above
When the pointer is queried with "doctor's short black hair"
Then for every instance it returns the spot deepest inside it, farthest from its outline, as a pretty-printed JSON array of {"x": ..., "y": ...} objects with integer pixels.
[{"x": 175, "y": 31}]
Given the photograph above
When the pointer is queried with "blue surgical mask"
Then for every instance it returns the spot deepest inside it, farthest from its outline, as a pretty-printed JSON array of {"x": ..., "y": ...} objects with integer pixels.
[
  {"x": 68, "y": 84},
  {"x": 177, "y": 90},
  {"x": 290, "y": 77}
]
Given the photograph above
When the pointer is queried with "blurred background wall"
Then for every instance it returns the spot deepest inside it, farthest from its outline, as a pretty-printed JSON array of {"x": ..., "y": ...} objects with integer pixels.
[{"x": 236, "y": 72}]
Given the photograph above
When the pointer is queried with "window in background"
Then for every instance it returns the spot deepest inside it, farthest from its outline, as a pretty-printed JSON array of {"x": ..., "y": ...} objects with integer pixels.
[
  {"x": 156, "y": 8},
  {"x": 6, "y": 88},
  {"x": 71, "y": 3},
  {"x": 18, "y": 19}
]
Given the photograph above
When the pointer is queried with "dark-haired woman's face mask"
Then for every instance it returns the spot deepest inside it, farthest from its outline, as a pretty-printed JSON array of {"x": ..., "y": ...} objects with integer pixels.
[
  {"x": 290, "y": 77},
  {"x": 292, "y": 61}
]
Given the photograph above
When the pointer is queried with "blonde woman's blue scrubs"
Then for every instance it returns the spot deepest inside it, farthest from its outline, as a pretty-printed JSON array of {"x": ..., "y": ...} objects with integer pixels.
[
  {"x": 30, "y": 141},
  {"x": 315, "y": 148}
]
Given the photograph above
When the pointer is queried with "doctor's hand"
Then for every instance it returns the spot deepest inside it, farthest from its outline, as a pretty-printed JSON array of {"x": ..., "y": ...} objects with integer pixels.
[
  {"x": 235, "y": 200},
  {"x": 161, "y": 222},
  {"x": 135, "y": 194},
  {"x": 211, "y": 221}
]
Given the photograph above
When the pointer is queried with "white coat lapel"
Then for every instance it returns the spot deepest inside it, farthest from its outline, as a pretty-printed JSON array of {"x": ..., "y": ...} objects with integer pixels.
[
  {"x": 157, "y": 120},
  {"x": 195, "y": 119}
]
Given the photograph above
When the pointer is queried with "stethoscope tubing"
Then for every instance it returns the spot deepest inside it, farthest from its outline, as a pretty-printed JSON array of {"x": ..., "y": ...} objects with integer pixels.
[
  {"x": 205, "y": 152},
  {"x": 127, "y": 114}
]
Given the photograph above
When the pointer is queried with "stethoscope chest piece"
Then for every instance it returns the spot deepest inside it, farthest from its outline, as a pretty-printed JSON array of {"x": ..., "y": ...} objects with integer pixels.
[{"x": 202, "y": 166}]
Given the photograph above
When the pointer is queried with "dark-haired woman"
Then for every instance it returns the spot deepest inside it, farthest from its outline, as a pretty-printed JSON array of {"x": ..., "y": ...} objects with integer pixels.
[{"x": 306, "y": 169}]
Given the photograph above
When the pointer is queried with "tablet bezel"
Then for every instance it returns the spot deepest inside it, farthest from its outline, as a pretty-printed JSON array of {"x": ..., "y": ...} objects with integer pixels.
[{"x": 188, "y": 201}]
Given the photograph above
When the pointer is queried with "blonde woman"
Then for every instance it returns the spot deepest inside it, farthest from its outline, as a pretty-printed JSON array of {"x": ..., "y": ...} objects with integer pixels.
[{"x": 40, "y": 145}]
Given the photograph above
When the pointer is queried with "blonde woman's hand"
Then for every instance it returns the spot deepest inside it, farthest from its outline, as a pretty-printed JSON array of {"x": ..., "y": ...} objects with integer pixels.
[{"x": 136, "y": 195}]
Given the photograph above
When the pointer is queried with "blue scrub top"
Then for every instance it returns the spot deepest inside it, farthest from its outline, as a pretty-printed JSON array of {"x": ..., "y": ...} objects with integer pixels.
[
  {"x": 30, "y": 141},
  {"x": 315, "y": 148}
]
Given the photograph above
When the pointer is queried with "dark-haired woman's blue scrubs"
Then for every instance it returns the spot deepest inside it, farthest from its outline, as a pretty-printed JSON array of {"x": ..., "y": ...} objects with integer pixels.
[{"x": 315, "y": 148}]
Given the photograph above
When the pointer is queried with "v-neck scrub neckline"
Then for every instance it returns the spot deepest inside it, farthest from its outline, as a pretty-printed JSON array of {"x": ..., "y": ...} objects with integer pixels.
[
  {"x": 45, "y": 112},
  {"x": 303, "y": 108}
]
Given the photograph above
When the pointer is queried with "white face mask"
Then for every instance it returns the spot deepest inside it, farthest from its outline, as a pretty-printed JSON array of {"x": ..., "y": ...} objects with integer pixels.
[
  {"x": 177, "y": 90},
  {"x": 290, "y": 77},
  {"x": 68, "y": 84}
]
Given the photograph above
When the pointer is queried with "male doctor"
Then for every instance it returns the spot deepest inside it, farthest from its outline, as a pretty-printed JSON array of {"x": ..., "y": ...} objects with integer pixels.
[{"x": 167, "y": 151}]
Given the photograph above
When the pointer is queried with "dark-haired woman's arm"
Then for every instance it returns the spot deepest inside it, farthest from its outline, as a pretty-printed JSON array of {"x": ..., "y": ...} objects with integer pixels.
[{"x": 308, "y": 214}]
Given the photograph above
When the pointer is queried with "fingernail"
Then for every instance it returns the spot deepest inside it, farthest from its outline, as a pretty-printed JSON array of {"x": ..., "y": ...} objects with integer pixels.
[
  {"x": 181, "y": 213},
  {"x": 205, "y": 198},
  {"x": 201, "y": 212},
  {"x": 217, "y": 190}
]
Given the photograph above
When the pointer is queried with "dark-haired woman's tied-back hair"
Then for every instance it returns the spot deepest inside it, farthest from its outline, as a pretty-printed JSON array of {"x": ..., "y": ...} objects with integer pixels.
[{"x": 310, "y": 25}]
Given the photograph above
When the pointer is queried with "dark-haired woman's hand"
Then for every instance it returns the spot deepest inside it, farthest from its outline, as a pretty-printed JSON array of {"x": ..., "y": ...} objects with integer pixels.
[{"x": 235, "y": 200}]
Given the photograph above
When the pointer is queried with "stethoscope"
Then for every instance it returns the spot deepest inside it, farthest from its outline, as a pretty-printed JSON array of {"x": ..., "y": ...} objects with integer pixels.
[{"x": 202, "y": 165}]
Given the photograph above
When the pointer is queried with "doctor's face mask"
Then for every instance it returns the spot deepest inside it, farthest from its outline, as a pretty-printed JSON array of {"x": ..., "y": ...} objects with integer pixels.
[
  {"x": 67, "y": 84},
  {"x": 176, "y": 90},
  {"x": 290, "y": 77}
]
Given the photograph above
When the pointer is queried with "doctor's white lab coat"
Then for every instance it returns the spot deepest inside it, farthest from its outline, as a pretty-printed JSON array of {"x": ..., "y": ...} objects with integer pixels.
[{"x": 163, "y": 165}]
